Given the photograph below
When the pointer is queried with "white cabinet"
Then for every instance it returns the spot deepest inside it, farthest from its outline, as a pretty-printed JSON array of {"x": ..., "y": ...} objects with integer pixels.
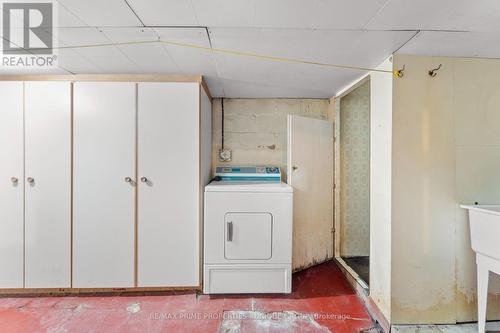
[
  {"x": 104, "y": 137},
  {"x": 168, "y": 197},
  {"x": 35, "y": 184},
  {"x": 11, "y": 185},
  {"x": 47, "y": 184},
  {"x": 101, "y": 183},
  {"x": 136, "y": 216}
]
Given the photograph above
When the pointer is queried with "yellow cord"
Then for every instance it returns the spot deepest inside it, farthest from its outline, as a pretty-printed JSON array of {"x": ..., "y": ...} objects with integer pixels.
[{"x": 231, "y": 52}]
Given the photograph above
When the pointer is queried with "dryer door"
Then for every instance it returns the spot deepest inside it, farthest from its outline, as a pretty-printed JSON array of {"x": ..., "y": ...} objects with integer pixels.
[{"x": 248, "y": 236}]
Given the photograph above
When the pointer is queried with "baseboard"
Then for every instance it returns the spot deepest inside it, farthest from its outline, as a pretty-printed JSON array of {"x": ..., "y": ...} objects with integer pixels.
[
  {"x": 361, "y": 289},
  {"x": 491, "y": 326},
  {"x": 83, "y": 291}
]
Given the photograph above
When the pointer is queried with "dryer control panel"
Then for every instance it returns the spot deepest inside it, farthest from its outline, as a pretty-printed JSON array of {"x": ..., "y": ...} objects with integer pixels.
[{"x": 263, "y": 173}]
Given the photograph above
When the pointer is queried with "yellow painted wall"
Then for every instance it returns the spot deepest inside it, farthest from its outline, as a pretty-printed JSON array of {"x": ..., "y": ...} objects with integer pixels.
[{"x": 445, "y": 151}]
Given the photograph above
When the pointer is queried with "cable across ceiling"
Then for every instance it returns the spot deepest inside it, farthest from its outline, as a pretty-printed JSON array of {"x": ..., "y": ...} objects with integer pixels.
[{"x": 230, "y": 52}]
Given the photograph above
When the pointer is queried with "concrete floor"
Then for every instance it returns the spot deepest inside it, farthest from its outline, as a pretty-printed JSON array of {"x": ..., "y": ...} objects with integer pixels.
[{"x": 322, "y": 301}]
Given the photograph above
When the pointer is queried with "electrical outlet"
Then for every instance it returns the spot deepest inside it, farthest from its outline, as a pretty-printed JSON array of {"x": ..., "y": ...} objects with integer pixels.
[{"x": 225, "y": 155}]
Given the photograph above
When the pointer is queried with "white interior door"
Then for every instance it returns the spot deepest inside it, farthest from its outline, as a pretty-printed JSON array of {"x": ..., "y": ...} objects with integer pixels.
[
  {"x": 169, "y": 172},
  {"x": 103, "y": 197},
  {"x": 310, "y": 172},
  {"x": 11, "y": 185},
  {"x": 47, "y": 184}
]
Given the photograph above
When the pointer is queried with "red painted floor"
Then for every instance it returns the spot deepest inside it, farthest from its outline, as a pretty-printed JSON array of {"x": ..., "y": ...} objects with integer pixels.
[{"x": 322, "y": 301}]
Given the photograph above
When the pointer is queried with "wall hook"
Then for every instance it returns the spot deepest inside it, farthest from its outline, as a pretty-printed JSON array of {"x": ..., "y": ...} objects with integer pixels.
[
  {"x": 399, "y": 72},
  {"x": 433, "y": 72}
]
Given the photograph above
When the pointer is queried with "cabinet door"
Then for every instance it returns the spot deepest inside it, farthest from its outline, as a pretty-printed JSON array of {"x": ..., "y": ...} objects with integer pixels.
[
  {"x": 168, "y": 157},
  {"x": 47, "y": 184},
  {"x": 11, "y": 185},
  {"x": 103, "y": 199}
]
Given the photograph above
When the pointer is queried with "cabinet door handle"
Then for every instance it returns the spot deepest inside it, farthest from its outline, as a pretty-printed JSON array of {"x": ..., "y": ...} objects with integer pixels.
[
  {"x": 144, "y": 179},
  {"x": 14, "y": 180},
  {"x": 128, "y": 180},
  {"x": 30, "y": 180},
  {"x": 229, "y": 231}
]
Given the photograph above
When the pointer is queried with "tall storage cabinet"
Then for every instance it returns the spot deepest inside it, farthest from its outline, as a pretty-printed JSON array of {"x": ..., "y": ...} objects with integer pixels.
[
  {"x": 168, "y": 170},
  {"x": 47, "y": 221},
  {"x": 11, "y": 185},
  {"x": 104, "y": 184},
  {"x": 139, "y": 160},
  {"x": 35, "y": 184},
  {"x": 101, "y": 182}
]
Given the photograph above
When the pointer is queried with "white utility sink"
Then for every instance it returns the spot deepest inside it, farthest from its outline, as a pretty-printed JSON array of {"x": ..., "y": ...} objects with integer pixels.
[{"x": 485, "y": 239}]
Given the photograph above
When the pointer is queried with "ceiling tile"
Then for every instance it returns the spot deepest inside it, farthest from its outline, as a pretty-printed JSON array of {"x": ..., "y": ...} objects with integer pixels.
[
  {"x": 165, "y": 13},
  {"x": 81, "y": 36},
  {"x": 352, "y": 48},
  {"x": 300, "y": 14},
  {"x": 88, "y": 42},
  {"x": 151, "y": 58},
  {"x": 454, "y": 44},
  {"x": 75, "y": 63},
  {"x": 66, "y": 18},
  {"x": 242, "y": 89},
  {"x": 189, "y": 60},
  {"x": 320, "y": 14},
  {"x": 478, "y": 15},
  {"x": 31, "y": 71},
  {"x": 225, "y": 13},
  {"x": 126, "y": 34},
  {"x": 102, "y": 13},
  {"x": 324, "y": 80},
  {"x": 118, "y": 64},
  {"x": 355, "y": 48}
]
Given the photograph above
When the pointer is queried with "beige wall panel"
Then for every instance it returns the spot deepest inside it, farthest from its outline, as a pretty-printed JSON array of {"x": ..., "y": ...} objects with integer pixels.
[
  {"x": 477, "y": 102},
  {"x": 423, "y": 194},
  {"x": 477, "y": 134}
]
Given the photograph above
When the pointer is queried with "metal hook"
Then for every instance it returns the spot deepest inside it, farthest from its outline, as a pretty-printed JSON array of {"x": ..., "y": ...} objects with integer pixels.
[
  {"x": 399, "y": 72},
  {"x": 433, "y": 72}
]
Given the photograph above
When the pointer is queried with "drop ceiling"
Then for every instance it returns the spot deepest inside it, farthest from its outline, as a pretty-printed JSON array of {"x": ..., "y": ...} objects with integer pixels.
[{"x": 123, "y": 36}]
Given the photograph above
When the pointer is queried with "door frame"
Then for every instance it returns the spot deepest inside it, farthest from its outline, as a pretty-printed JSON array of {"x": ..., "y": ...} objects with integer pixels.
[{"x": 338, "y": 184}]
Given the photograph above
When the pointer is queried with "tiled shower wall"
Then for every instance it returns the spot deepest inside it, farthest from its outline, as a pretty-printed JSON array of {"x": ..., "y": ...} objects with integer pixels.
[{"x": 355, "y": 172}]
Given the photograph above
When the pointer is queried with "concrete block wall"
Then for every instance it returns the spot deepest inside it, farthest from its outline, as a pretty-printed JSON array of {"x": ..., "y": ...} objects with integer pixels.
[{"x": 256, "y": 129}]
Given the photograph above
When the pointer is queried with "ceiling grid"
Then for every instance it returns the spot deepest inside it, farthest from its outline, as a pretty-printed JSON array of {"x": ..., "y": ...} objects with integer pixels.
[{"x": 356, "y": 33}]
